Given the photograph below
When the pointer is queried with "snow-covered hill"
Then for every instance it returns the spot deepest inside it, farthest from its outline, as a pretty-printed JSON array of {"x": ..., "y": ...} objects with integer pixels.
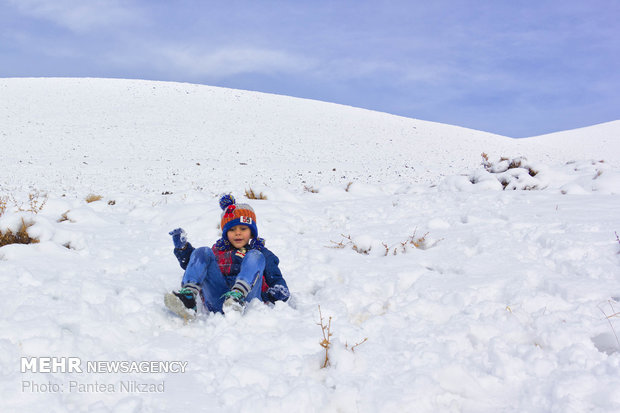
[
  {"x": 500, "y": 307},
  {"x": 149, "y": 130}
]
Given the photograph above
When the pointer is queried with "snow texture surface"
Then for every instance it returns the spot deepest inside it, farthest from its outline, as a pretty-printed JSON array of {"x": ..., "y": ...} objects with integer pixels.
[{"x": 452, "y": 283}]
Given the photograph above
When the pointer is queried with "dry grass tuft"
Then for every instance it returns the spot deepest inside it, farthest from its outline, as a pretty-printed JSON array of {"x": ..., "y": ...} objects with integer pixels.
[
  {"x": 250, "y": 194},
  {"x": 19, "y": 237},
  {"x": 3, "y": 204},
  {"x": 64, "y": 217},
  {"x": 93, "y": 198},
  {"x": 36, "y": 202}
]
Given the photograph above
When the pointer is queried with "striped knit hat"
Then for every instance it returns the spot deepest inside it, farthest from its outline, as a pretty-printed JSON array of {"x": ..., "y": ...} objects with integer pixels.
[{"x": 237, "y": 214}]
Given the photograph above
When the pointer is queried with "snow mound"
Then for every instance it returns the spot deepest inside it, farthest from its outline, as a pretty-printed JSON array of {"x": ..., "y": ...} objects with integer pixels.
[{"x": 575, "y": 177}]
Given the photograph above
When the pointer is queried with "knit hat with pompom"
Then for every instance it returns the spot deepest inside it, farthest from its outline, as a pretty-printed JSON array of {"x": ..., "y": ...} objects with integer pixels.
[{"x": 237, "y": 214}]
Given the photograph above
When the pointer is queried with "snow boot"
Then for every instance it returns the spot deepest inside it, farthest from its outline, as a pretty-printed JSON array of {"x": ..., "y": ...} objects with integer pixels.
[
  {"x": 183, "y": 302},
  {"x": 234, "y": 301}
]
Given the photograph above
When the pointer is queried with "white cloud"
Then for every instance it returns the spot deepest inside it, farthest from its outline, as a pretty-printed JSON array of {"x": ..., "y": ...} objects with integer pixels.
[
  {"x": 78, "y": 15},
  {"x": 354, "y": 67},
  {"x": 233, "y": 61}
]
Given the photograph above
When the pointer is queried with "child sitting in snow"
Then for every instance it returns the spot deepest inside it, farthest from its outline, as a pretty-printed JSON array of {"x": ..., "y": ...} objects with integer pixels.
[{"x": 237, "y": 269}]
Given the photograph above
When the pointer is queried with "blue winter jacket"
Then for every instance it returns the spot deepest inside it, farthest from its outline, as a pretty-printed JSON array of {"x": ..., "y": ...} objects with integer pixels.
[{"x": 230, "y": 265}]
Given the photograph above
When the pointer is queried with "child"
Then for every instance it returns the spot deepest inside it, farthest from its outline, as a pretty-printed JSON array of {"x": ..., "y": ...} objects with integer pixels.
[{"x": 237, "y": 269}]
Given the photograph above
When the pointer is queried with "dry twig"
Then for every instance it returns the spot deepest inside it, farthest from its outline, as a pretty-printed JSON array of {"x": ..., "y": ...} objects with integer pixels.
[
  {"x": 608, "y": 317},
  {"x": 325, "y": 343},
  {"x": 357, "y": 344}
]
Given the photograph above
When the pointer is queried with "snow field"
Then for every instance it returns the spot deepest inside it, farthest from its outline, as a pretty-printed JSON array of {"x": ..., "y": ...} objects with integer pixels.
[
  {"x": 501, "y": 308},
  {"x": 454, "y": 326}
]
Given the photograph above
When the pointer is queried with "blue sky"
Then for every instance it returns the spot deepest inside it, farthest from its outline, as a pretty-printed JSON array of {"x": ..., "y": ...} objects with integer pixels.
[{"x": 512, "y": 67}]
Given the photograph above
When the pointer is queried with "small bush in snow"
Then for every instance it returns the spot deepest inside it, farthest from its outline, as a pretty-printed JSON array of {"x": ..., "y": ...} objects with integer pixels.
[
  {"x": 364, "y": 249},
  {"x": 36, "y": 202},
  {"x": 512, "y": 173},
  {"x": 416, "y": 242},
  {"x": 326, "y": 342},
  {"x": 18, "y": 237},
  {"x": 364, "y": 244},
  {"x": 250, "y": 194}
]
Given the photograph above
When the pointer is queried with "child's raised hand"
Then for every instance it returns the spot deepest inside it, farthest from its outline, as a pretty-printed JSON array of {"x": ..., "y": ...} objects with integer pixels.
[{"x": 179, "y": 237}]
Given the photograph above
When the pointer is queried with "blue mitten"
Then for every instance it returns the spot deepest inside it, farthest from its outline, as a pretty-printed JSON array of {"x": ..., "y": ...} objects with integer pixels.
[
  {"x": 179, "y": 237},
  {"x": 277, "y": 293}
]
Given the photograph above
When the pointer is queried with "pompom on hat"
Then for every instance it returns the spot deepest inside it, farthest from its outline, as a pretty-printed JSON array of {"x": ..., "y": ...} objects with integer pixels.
[{"x": 234, "y": 214}]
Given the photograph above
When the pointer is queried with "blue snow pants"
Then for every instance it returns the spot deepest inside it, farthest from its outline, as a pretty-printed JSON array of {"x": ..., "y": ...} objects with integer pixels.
[{"x": 204, "y": 271}]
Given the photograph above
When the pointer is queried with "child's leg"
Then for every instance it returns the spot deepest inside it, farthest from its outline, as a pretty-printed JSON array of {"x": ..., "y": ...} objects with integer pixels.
[
  {"x": 203, "y": 271},
  {"x": 249, "y": 280}
]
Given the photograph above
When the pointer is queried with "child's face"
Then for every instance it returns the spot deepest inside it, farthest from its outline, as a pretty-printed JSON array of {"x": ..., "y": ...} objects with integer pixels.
[{"x": 239, "y": 235}]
